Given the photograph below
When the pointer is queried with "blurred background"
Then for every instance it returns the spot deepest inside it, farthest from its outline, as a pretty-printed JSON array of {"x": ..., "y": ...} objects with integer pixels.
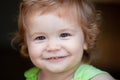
[{"x": 105, "y": 57}]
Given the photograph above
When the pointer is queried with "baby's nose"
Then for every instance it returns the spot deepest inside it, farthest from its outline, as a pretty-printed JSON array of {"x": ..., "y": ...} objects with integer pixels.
[{"x": 53, "y": 46}]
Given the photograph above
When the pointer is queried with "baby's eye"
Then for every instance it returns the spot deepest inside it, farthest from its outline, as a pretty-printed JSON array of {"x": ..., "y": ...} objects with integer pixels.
[
  {"x": 40, "y": 38},
  {"x": 65, "y": 35}
]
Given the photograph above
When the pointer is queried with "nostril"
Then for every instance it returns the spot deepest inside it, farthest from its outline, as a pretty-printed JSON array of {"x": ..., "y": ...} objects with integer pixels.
[{"x": 53, "y": 47}]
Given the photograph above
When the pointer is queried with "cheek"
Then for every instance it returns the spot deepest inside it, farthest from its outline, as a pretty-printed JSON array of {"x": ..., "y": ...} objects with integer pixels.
[
  {"x": 34, "y": 50},
  {"x": 74, "y": 46}
]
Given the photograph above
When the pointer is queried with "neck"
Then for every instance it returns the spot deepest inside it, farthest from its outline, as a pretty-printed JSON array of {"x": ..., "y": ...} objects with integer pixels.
[
  {"x": 67, "y": 75},
  {"x": 60, "y": 76}
]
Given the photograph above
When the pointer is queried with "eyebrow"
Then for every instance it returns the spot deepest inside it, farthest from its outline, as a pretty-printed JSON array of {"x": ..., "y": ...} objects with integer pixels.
[
  {"x": 68, "y": 29},
  {"x": 36, "y": 33},
  {"x": 72, "y": 29}
]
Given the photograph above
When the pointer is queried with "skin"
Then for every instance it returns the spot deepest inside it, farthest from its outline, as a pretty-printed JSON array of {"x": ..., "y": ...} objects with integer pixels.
[{"x": 55, "y": 45}]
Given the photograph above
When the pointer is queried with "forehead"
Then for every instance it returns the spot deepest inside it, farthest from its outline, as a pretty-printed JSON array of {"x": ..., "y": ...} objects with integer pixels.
[
  {"x": 50, "y": 21},
  {"x": 65, "y": 13}
]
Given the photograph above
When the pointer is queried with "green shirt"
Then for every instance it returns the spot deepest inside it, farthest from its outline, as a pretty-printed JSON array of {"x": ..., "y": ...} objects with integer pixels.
[{"x": 84, "y": 72}]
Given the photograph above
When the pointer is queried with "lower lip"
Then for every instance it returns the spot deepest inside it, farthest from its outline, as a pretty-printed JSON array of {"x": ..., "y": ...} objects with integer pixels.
[{"x": 58, "y": 59}]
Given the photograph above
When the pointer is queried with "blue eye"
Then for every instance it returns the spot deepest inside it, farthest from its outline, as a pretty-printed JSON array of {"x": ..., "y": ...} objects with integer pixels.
[
  {"x": 64, "y": 35},
  {"x": 40, "y": 38}
]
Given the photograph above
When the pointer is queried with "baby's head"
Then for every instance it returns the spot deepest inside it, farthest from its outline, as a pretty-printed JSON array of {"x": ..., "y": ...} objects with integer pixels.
[{"x": 80, "y": 12}]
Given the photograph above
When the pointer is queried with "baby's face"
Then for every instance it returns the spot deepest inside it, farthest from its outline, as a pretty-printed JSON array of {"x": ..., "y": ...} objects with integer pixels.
[{"x": 54, "y": 44}]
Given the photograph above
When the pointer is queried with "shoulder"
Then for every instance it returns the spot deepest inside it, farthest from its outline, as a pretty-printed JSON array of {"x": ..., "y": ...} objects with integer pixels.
[
  {"x": 87, "y": 72},
  {"x": 105, "y": 76}
]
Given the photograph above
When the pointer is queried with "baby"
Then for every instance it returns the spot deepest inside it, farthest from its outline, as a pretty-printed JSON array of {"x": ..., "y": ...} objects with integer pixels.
[{"x": 58, "y": 37}]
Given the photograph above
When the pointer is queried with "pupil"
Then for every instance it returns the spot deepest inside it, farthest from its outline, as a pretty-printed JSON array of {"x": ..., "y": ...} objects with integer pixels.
[
  {"x": 64, "y": 35},
  {"x": 41, "y": 37}
]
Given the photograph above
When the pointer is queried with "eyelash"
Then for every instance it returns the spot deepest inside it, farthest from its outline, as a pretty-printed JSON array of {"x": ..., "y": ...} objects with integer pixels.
[
  {"x": 40, "y": 38},
  {"x": 65, "y": 35},
  {"x": 62, "y": 35}
]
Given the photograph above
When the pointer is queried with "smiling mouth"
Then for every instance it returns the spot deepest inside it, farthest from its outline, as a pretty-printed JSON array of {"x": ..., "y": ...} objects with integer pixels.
[{"x": 58, "y": 58}]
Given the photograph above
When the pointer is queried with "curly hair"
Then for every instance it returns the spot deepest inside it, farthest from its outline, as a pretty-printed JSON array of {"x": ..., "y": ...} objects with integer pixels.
[{"x": 84, "y": 10}]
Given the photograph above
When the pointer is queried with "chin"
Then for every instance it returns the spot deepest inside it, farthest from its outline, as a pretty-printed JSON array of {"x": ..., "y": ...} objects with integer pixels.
[{"x": 57, "y": 69}]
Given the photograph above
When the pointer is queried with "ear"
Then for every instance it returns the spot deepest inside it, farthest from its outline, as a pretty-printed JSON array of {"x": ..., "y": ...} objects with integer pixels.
[{"x": 85, "y": 47}]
